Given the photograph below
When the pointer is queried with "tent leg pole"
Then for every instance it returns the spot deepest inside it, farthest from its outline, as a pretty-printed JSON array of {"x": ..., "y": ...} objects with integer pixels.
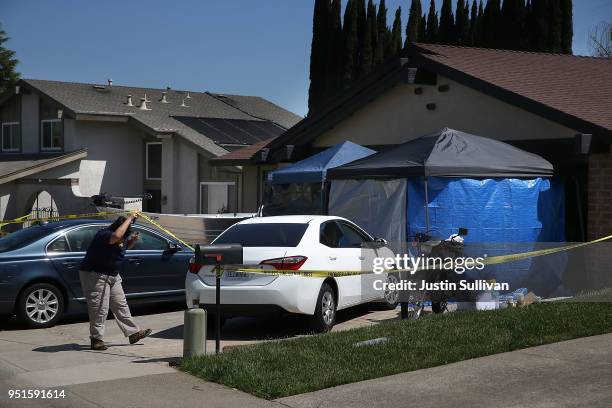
[{"x": 426, "y": 206}]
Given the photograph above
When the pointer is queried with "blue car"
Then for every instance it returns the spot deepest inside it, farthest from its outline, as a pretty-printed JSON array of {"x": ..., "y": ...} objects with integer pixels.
[{"x": 39, "y": 270}]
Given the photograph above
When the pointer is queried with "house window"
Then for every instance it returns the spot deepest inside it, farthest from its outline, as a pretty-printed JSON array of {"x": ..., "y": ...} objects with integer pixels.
[
  {"x": 51, "y": 135},
  {"x": 11, "y": 137},
  {"x": 217, "y": 197},
  {"x": 154, "y": 161}
]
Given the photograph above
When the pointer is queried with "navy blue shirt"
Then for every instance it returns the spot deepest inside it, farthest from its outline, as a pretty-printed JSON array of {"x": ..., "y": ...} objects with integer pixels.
[{"x": 102, "y": 257}]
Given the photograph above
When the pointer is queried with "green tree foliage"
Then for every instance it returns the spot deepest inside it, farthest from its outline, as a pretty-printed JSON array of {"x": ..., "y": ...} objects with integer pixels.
[
  {"x": 395, "y": 44},
  {"x": 349, "y": 31},
  {"x": 491, "y": 24},
  {"x": 382, "y": 36},
  {"x": 414, "y": 21},
  {"x": 366, "y": 52},
  {"x": 422, "y": 32},
  {"x": 333, "y": 73},
  {"x": 555, "y": 26},
  {"x": 318, "y": 54},
  {"x": 567, "y": 32},
  {"x": 432, "y": 23},
  {"x": 513, "y": 27},
  {"x": 446, "y": 31},
  {"x": 473, "y": 23},
  {"x": 8, "y": 63},
  {"x": 462, "y": 23}
]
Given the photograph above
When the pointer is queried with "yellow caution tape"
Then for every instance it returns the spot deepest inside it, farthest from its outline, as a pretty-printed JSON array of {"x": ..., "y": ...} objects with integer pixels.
[
  {"x": 494, "y": 260},
  {"x": 163, "y": 229}
]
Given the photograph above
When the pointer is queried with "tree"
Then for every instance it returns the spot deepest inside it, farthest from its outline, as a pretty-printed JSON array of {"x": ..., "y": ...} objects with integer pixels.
[
  {"x": 491, "y": 24},
  {"x": 567, "y": 27},
  {"x": 512, "y": 20},
  {"x": 318, "y": 54},
  {"x": 462, "y": 23},
  {"x": 446, "y": 32},
  {"x": 479, "y": 41},
  {"x": 349, "y": 32},
  {"x": 473, "y": 23},
  {"x": 382, "y": 36},
  {"x": 432, "y": 23},
  {"x": 414, "y": 20},
  {"x": 395, "y": 44},
  {"x": 366, "y": 55},
  {"x": 540, "y": 23},
  {"x": 422, "y": 33},
  {"x": 333, "y": 74},
  {"x": 555, "y": 26},
  {"x": 360, "y": 69},
  {"x": 600, "y": 40},
  {"x": 8, "y": 63}
]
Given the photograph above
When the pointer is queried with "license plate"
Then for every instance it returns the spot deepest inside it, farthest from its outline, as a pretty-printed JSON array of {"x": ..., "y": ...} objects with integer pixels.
[{"x": 236, "y": 275}]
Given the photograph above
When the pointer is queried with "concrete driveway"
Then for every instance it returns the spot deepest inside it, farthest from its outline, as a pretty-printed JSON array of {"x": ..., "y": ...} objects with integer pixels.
[{"x": 60, "y": 356}]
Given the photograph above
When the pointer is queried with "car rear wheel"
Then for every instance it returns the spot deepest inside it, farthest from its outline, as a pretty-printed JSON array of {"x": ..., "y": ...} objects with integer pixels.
[
  {"x": 391, "y": 297},
  {"x": 325, "y": 312},
  {"x": 40, "y": 305}
]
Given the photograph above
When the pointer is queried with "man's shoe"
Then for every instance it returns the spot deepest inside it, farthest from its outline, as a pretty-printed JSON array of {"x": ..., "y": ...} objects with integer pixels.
[
  {"x": 98, "y": 345},
  {"x": 136, "y": 337}
]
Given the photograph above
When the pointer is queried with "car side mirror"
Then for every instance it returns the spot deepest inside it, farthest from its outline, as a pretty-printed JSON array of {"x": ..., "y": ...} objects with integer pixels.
[
  {"x": 380, "y": 242},
  {"x": 172, "y": 248}
]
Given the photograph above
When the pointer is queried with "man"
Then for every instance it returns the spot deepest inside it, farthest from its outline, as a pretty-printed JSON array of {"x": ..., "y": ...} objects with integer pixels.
[{"x": 101, "y": 282}]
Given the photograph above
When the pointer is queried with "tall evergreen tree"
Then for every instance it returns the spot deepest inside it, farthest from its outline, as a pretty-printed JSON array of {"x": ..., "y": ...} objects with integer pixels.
[
  {"x": 555, "y": 26},
  {"x": 479, "y": 41},
  {"x": 422, "y": 32},
  {"x": 473, "y": 23},
  {"x": 395, "y": 45},
  {"x": 492, "y": 29},
  {"x": 462, "y": 23},
  {"x": 446, "y": 32},
  {"x": 512, "y": 20},
  {"x": 414, "y": 20},
  {"x": 361, "y": 38},
  {"x": 382, "y": 36},
  {"x": 540, "y": 27},
  {"x": 349, "y": 33},
  {"x": 318, "y": 54},
  {"x": 8, "y": 63},
  {"x": 366, "y": 55},
  {"x": 432, "y": 23},
  {"x": 333, "y": 74},
  {"x": 567, "y": 30},
  {"x": 372, "y": 16}
]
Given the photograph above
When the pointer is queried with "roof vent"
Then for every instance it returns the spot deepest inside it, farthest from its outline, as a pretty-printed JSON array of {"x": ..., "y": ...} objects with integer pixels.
[
  {"x": 164, "y": 98},
  {"x": 129, "y": 101},
  {"x": 188, "y": 96},
  {"x": 143, "y": 104},
  {"x": 183, "y": 105},
  {"x": 110, "y": 82},
  {"x": 145, "y": 98}
]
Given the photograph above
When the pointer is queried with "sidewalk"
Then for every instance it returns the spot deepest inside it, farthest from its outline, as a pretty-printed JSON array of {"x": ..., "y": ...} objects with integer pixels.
[{"x": 571, "y": 373}]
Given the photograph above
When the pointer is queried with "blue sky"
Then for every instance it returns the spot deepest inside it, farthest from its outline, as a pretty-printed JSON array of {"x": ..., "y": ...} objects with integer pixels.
[{"x": 230, "y": 46}]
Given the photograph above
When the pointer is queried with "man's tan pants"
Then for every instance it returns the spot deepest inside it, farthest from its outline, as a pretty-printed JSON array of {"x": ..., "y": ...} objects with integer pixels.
[{"x": 104, "y": 291}]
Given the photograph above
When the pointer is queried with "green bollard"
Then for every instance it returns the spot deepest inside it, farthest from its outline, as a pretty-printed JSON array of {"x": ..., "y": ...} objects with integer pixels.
[{"x": 194, "y": 333}]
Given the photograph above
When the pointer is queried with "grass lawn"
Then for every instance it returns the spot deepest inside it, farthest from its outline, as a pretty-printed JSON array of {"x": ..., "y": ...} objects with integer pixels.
[{"x": 282, "y": 368}]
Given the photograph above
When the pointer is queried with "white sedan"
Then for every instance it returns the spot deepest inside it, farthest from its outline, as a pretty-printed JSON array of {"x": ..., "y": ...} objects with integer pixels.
[{"x": 312, "y": 243}]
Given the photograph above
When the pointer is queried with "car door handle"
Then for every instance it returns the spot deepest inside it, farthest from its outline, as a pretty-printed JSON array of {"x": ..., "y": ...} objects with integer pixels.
[
  {"x": 362, "y": 258},
  {"x": 69, "y": 264},
  {"x": 136, "y": 261},
  {"x": 333, "y": 258}
]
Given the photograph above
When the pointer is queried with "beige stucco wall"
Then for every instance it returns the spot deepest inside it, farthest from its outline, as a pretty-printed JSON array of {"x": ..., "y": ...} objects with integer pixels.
[
  {"x": 114, "y": 163},
  {"x": 400, "y": 115}
]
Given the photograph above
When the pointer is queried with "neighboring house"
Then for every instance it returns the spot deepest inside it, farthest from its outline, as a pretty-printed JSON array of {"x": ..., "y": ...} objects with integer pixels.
[
  {"x": 74, "y": 140},
  {"x": 558, "y": 106}
]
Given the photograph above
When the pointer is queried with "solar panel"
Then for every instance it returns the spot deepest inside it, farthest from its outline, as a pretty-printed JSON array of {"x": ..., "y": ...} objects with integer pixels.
[{"x": 232, "y": 131}]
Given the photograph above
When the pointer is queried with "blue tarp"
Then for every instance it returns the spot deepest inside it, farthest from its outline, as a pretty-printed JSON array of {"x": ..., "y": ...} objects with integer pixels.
[
  {"x": 503, "y": 216},
  {"x": 314, "y": 168}
]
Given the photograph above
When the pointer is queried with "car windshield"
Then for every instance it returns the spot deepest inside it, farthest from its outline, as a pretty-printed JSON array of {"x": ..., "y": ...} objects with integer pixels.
[
  {"x": 22, "y": 238},
  {"x": 263, "y": 235}
]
